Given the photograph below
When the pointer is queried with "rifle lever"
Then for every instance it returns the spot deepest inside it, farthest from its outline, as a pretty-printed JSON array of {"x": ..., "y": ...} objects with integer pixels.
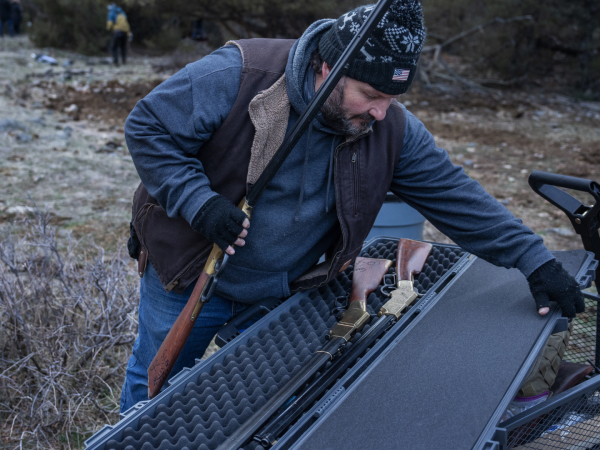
[{"x": 212, "y": 281}]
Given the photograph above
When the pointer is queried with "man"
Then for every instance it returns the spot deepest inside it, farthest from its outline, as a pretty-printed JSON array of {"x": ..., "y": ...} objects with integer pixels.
[
  {"x": 118, "y": 24},
  {"x": 16, "y": 15},
  {"x": 203, "y": 136}
]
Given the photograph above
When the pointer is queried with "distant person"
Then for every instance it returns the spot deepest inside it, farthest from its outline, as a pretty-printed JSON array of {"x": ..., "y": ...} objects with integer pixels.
[
  {"x": 198, "y": 30},
  {"x": 17, "y": 15},
  {"x": 6, "y": 17},
  {"x": 117, "y": 23}
]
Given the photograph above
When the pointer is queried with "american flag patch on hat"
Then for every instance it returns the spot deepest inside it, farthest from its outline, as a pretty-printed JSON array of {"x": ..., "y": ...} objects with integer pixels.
[{"x": 401, "y": 74}]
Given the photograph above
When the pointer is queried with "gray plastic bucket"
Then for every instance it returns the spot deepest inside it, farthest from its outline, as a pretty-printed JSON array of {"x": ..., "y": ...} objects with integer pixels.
[{"x": 397, "y": 219}]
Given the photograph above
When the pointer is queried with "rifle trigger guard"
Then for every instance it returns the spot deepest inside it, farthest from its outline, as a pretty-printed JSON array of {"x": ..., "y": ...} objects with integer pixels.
[{"x": 387, "y": 289}]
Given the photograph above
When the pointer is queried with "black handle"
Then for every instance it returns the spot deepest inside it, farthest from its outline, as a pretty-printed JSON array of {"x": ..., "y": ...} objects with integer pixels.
[
  {"x": 538, "y": 178},
  {"x": 231, "y": 329},
  {"x": 264, "y": 306},
  {"x": 545, "y": 184}
]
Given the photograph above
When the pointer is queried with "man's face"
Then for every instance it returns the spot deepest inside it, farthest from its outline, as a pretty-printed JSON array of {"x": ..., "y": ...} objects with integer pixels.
[{"x": 353, "y": 105}]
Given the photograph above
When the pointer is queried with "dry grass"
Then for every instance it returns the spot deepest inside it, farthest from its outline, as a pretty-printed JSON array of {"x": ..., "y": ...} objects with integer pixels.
[{"x": 67, "y": 320}]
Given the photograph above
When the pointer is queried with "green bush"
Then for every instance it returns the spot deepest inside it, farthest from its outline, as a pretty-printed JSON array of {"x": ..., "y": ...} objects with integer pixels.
[{"x": 77, "y": 25}]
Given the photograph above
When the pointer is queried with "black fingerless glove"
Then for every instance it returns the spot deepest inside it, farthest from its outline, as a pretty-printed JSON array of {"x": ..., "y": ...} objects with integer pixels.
[
  {"x": 219, "y": 221},
  {"x": 550, "y": 282}
]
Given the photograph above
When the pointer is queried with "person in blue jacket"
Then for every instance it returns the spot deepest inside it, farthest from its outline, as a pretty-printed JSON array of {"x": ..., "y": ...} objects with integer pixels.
[{"x": 118, "y": 24}]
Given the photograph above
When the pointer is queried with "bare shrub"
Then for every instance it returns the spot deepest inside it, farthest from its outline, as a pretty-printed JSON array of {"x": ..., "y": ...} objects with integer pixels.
[{"x": 68, "y": 316}]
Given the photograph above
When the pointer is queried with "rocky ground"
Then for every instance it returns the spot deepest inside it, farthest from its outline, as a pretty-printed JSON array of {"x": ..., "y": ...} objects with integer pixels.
[{"x": 61, "y": 137}]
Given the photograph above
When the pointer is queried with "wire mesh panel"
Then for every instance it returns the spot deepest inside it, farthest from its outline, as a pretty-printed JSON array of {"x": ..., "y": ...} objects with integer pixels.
[
  {"x": 582, "y": 345},
  {"x": 574, "y": 424}
]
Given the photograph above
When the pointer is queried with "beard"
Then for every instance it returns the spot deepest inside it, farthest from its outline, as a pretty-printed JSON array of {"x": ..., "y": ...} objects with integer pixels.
[{"x": 337, "y": 116}]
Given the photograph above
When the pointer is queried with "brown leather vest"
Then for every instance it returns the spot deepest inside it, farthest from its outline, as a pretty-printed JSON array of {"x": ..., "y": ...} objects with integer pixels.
[{"x": 363, "y": 171}]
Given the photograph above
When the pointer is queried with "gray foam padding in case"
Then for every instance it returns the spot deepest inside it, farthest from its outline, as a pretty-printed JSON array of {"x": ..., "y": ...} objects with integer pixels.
[
  {"x": 220, "y": 396},
  {"x": 438, "y": 385}
]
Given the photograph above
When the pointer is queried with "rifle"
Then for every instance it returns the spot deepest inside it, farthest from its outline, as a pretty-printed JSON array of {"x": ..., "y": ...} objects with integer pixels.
[
  {"x": 169, "y": 351},
  {"x": 368, "y": 273},
  {"x": 411, "y": 258}
]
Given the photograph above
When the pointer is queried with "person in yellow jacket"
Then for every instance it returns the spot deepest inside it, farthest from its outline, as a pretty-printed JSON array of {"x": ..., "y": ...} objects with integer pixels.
[{"x": 118, "y": 24}]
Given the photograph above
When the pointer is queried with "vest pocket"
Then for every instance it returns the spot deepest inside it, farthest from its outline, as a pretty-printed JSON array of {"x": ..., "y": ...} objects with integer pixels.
[{"x": 245, "y": 285}]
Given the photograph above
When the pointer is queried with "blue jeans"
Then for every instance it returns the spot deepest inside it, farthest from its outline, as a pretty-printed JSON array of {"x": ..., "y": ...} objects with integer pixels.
[{"x": 158, "y": 311}]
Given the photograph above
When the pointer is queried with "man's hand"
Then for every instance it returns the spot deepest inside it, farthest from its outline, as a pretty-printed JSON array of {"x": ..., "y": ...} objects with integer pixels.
[
  {"x": 550, "y": 282},
  {"x": 222, "y": 223}
]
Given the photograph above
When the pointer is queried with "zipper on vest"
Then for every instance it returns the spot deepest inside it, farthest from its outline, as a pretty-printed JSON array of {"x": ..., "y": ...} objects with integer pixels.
[
  {"x": 338, "y": 209},
  {"x": 355, "y": 183}
]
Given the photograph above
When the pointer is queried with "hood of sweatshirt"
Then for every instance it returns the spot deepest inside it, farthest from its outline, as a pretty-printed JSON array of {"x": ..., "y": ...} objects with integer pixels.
[{"x": 300, "y": 77}]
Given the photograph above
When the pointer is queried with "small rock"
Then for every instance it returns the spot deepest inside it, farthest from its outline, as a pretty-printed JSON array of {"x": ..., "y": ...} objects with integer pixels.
[
  {"x": 561, "y": 231},
  {"x": 39, "y": 121},
  {"x": 19, "y": 210},
  {"x": 109, "y": 147},
  {"x": 12, "y": 125},
  {"x": 44, "y": 59},
  {"x": 506, "y": 201},
  {"x": 72, "y": 108},
  {"x": 543, "y": 214},
  {"x": 425, "y": 103},
  {"x": 24, "y": 137},
  {"x": 468, "y": 162},
  {"x": 511, "y": 179},
  {"x": 507, "y": 166},
  {"x": 67, "y": 63}
]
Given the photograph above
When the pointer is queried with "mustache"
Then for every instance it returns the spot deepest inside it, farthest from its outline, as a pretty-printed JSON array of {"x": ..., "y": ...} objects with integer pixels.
[{"x": 364, "y": 116}]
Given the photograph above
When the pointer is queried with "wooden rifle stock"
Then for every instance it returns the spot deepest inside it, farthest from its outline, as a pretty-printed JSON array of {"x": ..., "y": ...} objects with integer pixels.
[
  {"x": 169, "y": 351},
  {"x": 367, "y": 275},
  {"x": 411, "y": 257}
]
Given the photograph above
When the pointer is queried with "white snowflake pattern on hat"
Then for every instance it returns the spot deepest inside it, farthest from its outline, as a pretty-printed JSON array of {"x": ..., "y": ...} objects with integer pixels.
[{"x": 411, "y": 42}]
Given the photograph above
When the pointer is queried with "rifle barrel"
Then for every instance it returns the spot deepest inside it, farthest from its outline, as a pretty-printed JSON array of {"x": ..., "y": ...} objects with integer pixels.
[
  {"x": 275, "y": 427},
  {"x": 316, "y": 362}
]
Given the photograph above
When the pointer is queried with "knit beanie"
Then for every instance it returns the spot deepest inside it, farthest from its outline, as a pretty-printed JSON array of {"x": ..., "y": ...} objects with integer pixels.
[{"x": 388, "y": 60}]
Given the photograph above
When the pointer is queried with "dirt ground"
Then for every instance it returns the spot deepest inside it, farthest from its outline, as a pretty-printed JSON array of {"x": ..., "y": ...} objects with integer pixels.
[{"x": 63, "y": 144}]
